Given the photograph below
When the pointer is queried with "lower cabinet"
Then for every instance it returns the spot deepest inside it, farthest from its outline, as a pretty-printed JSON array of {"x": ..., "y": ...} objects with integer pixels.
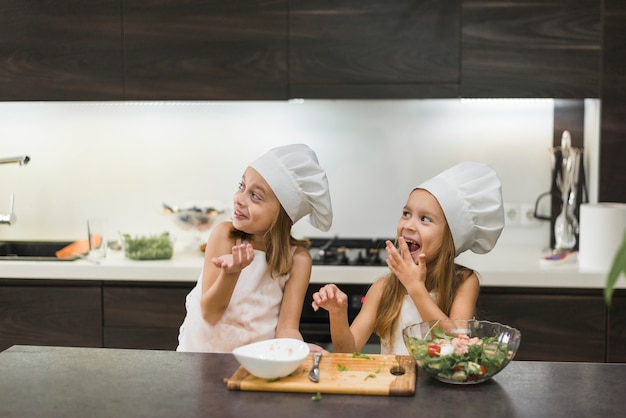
[
  {"x": 616, "y": 339},
  {"x": 50, "y": 312},
  {"x": 143, "y": 315},
  {"x": 86, "y": 313},
  {"x": 556, "y": 324}
]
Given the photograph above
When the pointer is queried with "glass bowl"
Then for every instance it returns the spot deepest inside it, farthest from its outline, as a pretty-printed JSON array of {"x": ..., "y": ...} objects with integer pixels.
[
  {"x": 461, "y": 351},
  {"x": 148, "y": 247}
]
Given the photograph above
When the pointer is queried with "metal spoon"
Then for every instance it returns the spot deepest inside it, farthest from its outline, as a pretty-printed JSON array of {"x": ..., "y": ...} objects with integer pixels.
[{"x": 314, "y": 374}]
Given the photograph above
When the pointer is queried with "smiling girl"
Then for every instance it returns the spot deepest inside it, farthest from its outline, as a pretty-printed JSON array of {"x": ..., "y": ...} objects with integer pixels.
[
  {"x": 255, "y": 274},
  {"x": 457, "y": 210}
]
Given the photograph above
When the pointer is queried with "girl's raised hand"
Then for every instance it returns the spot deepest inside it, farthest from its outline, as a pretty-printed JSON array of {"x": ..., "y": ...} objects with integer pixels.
[
  {"x": 329, "y": 297},
  {"x": 401, "y": 263},
  {"x": 240, "y": 258}
]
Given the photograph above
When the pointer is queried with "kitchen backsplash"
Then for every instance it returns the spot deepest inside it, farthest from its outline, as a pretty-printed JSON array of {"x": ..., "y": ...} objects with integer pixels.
[{"x": 121, "y": 160}]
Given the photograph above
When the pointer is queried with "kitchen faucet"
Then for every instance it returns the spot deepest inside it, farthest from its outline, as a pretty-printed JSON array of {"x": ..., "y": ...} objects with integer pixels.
[
  {"x": 9, "y": 218},
  {"x": 21, "y": 160}
]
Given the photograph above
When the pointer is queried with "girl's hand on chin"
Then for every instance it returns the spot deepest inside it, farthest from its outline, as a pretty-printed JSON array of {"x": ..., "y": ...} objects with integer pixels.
[{"x": 240, "y": 258}]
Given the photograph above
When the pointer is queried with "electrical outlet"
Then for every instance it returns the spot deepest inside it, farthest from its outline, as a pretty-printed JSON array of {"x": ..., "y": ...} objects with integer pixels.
[
  {"x": 527, "y": 215},
  {"x": 511, "y": 214}
]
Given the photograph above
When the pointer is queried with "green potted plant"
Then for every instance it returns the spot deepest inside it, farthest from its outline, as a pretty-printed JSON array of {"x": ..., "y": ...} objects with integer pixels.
[{"x": 618, "y": 268}]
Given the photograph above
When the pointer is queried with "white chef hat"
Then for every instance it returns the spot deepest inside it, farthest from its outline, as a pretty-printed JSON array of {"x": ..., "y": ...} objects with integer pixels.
[
  {"x": 470, "y": 195},
  {"x": 299, "y": 183}
]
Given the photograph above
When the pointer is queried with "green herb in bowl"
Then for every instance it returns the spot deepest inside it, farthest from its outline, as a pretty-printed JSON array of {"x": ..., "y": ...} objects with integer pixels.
[{"x": 154, "y": 247}]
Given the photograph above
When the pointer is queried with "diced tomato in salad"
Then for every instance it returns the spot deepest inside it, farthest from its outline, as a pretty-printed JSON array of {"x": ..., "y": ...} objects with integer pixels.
[
  {"x": 482, "y": 371},
  {"x": 434, "y": 349}
]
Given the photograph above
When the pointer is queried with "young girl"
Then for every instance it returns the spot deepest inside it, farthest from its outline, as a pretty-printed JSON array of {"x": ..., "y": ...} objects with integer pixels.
[
  {"x": 255, "y": 274},
  {"x": 457, "y": 210}
]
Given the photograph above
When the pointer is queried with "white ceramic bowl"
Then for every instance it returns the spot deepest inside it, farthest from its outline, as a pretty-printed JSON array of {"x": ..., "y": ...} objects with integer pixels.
[{"x": 273, "y": 358}]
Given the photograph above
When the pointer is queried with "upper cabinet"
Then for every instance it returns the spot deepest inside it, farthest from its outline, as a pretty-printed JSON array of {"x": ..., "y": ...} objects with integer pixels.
[
  {"x": 281, "y": 49},
  {"x": 374, "y": 49},
  {"x": 205, "y": 49},
  {"x": 612, "y": 181},
  {"x": 61, "y": 50},
  {"x": 525, "y": 48}
]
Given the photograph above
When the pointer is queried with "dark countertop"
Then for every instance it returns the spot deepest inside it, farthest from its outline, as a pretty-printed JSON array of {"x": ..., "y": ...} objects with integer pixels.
[{"x": 95, "y": 382}]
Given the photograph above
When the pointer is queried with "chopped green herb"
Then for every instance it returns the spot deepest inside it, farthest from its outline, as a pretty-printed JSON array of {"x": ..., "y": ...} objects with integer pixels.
[
  {"x": 370, "y": 376},
  {"x": 273, "y": 380},
  {"x": 361, "y": 355},
  {"x": 317, "y": 397},
  {"x": 154, "y": 247},
  {"x": 342, "y": 368}
]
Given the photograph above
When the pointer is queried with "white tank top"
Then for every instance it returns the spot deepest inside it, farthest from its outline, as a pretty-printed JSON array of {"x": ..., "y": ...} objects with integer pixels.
[
  {"x": 252, "y": 314},
  {"x": 408, "y": 315}
]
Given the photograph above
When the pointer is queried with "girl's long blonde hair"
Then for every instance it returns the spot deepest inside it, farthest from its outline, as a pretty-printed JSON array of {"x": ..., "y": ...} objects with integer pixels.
[
  {"x": 278, "y": 243},
  {"x": 443, "y": 277}
]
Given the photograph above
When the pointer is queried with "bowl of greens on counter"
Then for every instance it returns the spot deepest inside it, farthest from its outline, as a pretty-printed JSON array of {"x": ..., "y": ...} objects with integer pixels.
[
  {"x": 149, "y": 247},
  {"x": 461, "y": 351}
]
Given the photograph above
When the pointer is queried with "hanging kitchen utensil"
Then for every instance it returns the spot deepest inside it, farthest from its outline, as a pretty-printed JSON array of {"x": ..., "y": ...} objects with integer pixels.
[
  {"x": 566, "y": 228},
  {"x": 563, "y": 227},
  {"x": 565, "y": 204}
]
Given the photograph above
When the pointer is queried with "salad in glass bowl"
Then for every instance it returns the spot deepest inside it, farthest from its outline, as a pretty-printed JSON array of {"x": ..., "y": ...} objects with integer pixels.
[{"x": 461, "y": 351}]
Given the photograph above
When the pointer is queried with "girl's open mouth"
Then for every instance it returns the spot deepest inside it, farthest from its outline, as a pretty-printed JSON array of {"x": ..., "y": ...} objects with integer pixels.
[{"x": 413, "y": 245}]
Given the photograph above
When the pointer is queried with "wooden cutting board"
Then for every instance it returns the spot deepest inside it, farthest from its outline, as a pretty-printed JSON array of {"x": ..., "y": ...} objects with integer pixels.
[{"x": 371, "y": 374}]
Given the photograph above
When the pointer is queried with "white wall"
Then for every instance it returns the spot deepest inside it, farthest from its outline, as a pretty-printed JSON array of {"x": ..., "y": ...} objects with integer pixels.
[{"x": 120, "y": 161}]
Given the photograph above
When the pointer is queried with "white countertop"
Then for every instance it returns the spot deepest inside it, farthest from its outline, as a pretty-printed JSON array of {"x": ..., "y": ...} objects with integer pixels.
[
  {"x": 519, "y": 267},
  {"x": 506, "y": 267},
  {"x": 183, "y": 267}
]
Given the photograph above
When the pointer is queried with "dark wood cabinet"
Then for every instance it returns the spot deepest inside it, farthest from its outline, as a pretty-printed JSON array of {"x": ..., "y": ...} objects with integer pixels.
[
  {"x": 616, "y": 336},
  {"x": 61, "y": 50},
  {"x": 612, "y": 182},
  {"x": 143, "y": 315},
  {"x": 35, "y": 312},
  {"x": 92, "y": 313},
  {"x": 143, "y": 50},
  {"x": 281, "y": 49},
  {"x": 374, "y": 49},
  {"x": 205, "y": 50},
  {"x": 556, "y": 324},
  {"x": 531, "y": 49}
]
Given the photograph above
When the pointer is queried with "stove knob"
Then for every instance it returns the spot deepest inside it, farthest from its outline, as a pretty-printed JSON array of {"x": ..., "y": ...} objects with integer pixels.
[
  {"x": 373, "y": 258},
  {"x": 344, "y": 255}
]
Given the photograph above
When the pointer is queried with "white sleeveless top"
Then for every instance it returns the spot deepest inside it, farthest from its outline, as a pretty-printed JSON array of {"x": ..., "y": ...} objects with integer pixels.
[
  {"x": 408, "y": 315},
  {"x": 251, "y": 316}
]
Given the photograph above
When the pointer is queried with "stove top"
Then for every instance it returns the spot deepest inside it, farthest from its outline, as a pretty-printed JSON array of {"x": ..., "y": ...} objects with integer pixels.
[{"x": 348, "y": 251}]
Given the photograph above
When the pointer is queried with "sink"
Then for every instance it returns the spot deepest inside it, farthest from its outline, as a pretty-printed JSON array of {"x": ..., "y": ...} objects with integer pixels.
[{"x": 32, "y": 250}]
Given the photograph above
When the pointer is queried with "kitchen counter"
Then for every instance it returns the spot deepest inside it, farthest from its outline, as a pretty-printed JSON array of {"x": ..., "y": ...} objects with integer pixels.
[
  {"x": 507, "y": 267},
  {"x": 78, "y": 382},
  {"x": 183, "y": 267}
]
